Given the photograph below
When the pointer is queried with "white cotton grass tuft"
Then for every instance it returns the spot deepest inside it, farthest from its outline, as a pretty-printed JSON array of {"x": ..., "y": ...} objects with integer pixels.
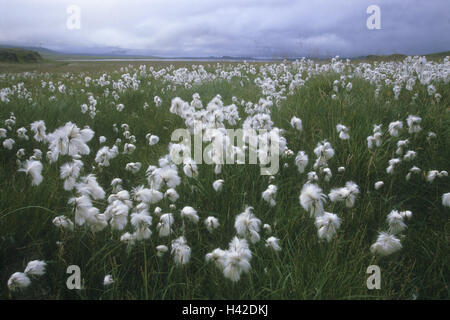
[
  {"x": 90, "y": 187},
  {"x": 343, "y": 132},
  {"x": 395, "y": 221},
  {"x": 392, "y": 164},
  {"x": 401, "y": 145},
  {"x": 152, "y": 139},
  {"x": 22, "y": 134},
  {"x": 69, "y": 140},
  {"x": 211, "y": 223},
  {"x": 34, "y": 169},
  {"x": 172, "y": 195},
  {"x": 395, "y": 127},
  {"x": 431, "y": 135},
  {"x": 128, "y": 239},
  {"x": 327, "y": 174},
  {"x": 37, "y": 154},
  {"x": 374, "y": 140},
  {"x": 141, "y": 222},
  {"x": 409, "y": 155},
  {"x": 20, "y": 153},
  {"x": 296, "y": 123},
  {"x": 433, "y": 174},
  {"x": 165, "y": 225},
  {"x": 267, "y": 228},
  {"x": 181, "y": 251},
  {"x": 446, "y": 199},
  {"x": 128, "y": 148},
  {"x": 102, "y": 139},
  {"x": 133, "y": 167},
  {"x": 273, "y": 242},
  {"x": 312, "y": 176},
  {"x": 190, "y": 214},
  {"x": 301, "y": 160},
  {"x": 218, "y": 185},
  {"x": 18, "y": 281},
  {"x": 116, "y": 185},
  {"x": 327, "y": 225},
  {"x": 248, "y": 225},
  {"x": 312, "y": 199},
  {"x": 105, "y": 155},
  {"x": 117, "y": 212},
  {"x": 35, "y": 268},
  {"x": 234, "y": 261},
  {"x": 386, "y": 244},
  {"x": 413, "y": 170},
  {"x": 108, "y": 280},
  {"x": 69, "y": 172},
  {"x": 149, "y": 196},
  {"x": 38, "y": 128},
  {"x": 324, "y": 152},
  {"x": 378, "y": 185},
  {"x": 414, "y": 124},
  {"x": 190, "y": 168},
  {"x": 269, "y": 195},
  {"x": 63, "y": 222},
  {"x": 237, "y": 259},
  {"x": 161, "y": 250}
]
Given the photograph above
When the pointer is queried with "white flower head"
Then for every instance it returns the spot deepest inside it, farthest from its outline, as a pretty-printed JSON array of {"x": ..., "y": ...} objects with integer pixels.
[
  {"x": 327, "y": 225},
  {"x": 211, "y": 223},
  {"x": 446, "y": 199},
  {"x": 108, "y": 280},
  {"x": 18, "y": 281},
  {"x": 312, "y": 199},
  {"x": 171, "y": 194},
  {"x": 218, "y": 185},
  {"x": 269, "y": 194},
  {"x": 161, "y": 250},
  {"x": 343, "y": 132},
  {"x": 301, "y": 160},
  {"x": 35, "y": 268},
  {"x": 190, "y": 214},
  {"x": 181, "y": 251},
  {"x": 386, "y": 244},
  {"x": 296, "y": 123},
  {"x": 378, "y": 185},
  {"x": 34, "y": 169},
  {"x": 272, "y": 242}
]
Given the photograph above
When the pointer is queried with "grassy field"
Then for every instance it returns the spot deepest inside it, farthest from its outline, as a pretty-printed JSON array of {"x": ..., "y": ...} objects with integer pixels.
[{"x": 306, "y": 267}]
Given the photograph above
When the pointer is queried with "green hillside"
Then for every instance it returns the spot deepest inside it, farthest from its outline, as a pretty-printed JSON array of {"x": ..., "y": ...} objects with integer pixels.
[{"x": 12, "y": 55}]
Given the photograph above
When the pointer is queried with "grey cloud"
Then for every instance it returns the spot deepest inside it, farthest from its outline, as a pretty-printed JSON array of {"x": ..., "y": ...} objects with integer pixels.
[{"x": 239, "y": 28}]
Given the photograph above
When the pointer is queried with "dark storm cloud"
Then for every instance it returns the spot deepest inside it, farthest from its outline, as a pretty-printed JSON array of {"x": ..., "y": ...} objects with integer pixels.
[{"x": 237, "y": 28}]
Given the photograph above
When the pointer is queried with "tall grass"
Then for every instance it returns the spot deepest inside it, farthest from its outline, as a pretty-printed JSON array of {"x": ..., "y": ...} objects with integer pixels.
[{"x": 305, "y": 268}]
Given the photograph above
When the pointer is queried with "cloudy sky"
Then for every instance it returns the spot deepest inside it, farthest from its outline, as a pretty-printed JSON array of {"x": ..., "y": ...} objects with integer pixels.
[{"x": 258, "y": 28}]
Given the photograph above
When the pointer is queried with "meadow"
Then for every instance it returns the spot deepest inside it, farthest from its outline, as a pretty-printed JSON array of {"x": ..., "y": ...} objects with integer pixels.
[{"x": 87, "y": 178}]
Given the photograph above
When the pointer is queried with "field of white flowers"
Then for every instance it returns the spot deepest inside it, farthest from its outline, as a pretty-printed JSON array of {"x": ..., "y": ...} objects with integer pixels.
[{"x": 87, "y": 178}]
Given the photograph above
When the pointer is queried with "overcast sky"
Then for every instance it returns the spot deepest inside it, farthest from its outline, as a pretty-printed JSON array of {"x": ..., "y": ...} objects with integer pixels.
[{"x": 258, "y": 28}]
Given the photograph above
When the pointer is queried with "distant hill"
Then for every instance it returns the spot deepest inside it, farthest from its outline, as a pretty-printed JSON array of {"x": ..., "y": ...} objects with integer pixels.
[
  {"x": 13, "y": 55},
  {"x": 10, "y": 53},
  {"x": 400, "y": 57}
]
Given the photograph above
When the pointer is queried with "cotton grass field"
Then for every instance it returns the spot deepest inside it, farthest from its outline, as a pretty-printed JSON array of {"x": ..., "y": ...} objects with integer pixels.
[{"x": 87, "y": 178}]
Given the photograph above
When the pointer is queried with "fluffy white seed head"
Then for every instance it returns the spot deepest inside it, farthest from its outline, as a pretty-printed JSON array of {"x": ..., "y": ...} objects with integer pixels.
[
  {"x": 18, "y": 281},
  {"x": 35, "y": 268}
]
